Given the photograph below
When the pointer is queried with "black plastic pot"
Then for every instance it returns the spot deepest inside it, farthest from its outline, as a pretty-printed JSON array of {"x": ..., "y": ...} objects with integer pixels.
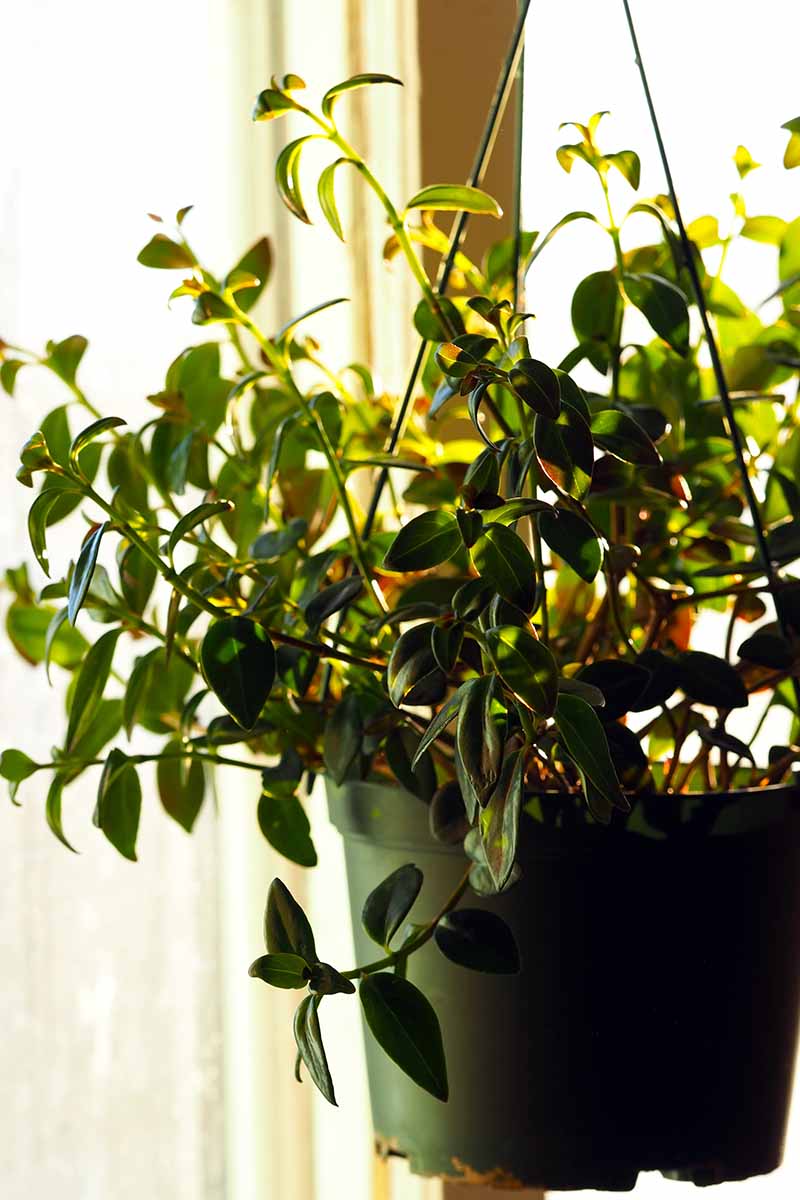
[{"x": 654, "y": 1023}]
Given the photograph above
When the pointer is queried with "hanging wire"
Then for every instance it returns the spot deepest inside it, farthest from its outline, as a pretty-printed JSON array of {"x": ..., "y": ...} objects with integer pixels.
[
  {"x": 773, "y": 579},
  {"x": 480, "y": 163}
]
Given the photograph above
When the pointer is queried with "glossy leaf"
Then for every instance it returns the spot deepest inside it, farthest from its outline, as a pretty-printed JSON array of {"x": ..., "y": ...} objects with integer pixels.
[
  {"x": 332, "y": 599},
  {"x": 343, "y": 737},
  {"x": 503, "y": 560},
  {"x": 404, "y": 1024},
  {"x": 628, "y": 165},
  {"x": 238, "y": 663},
  {"x": 163, "y": 253},
  {"x": 427, "y": 540},
  {"x": 308, "y": 1037},
  {"x": 622, "y": 436},
  {"x": 286, "y": 926},
  {"x": 499, "y": 821},
  {"x": 584, "y": 739},
  {"x": 526, "y": 666},
  {"x": 257, "y": 262},
  {"x": 287, "y": 177},
  {"x": 460, "y": 357},
  {"x": 37, "y": 523},
  {"x": 84, "y": 570},
  {"x": 83, "y": 439},
  {"x": 537, "y": 385},
  {"x": 565, "y": 451},
  {"x": 573, "y": 539},
  {"x": 444, "y": 717},
  {"x": 622, "y": 685},
  {"x": 711, "y": 680},
  {"x": 479, "y": 747},
  {"x": 52, "y": 810},
  {"x": 327, "y": 195},
  {"x": 388, "y": 905},
  {"x": 479, "y": 940}
]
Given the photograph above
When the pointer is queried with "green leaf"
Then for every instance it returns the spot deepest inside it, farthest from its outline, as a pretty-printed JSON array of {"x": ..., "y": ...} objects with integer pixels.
[
  {"x": 565, "y": 451},
  {"x": 137, "y": 687},
  {"x": 526, "y": 666},
  {"x": 664, "y": 305},
  {"x": 724, "y": 741},
  {"x": 446, "y": 714},
  {"x": 479, "y": 940},
  {"x": 286, "y": 927},
  {"x": 238, "y": 663},
  {"x": 163, "y": 253},
  {"x": 621, "y": 684},
  {"x": 327, "y": 195},
  {"x": 258, "y": 263},
  {"x": 327, "y": 981},
  {"x": 84, "y": 570},
  {"x": 287, "y": 176},
  {"x": 427, "y": 540},
  {"x": 290, "y": 326},
  {"x": 460, "y": 357},
  {"x": 64, "y": 357},
  {"x": 584, "y": 739},
  {"x": 95, "y": 430},
  {"x": 452, "y": 197},
  {"x": 16, "y": 766},
  {"x": 573, "y": 539},
  {"x": 503, "y": 560},
  {"x": 438, "y": 324},
  {"x": 308, "y": 1036},
  {"x": 27, "y": 629},
  {"x": 413, "y": 675},
  {"x": 595, "y": 307},
  {"x": 137, "y": 575},
  {"x": 348, "y": 85},
  {"x": 710, "y": 680},
  {"x": 768, "y": 650},
  {"x": 283, "y": 822},
  {"x": 537, "y": 386},
  {"x": 281, "y": 970},
  {"x": 499, "y": 821},
  {"x": 331, "y": 600},
  {"x": 620, "y": 435},
  {"x": 52, "y": 810},
  {"x": 628, "y": 165},
  {"x": 9, "y": 369},
  {"x": 37, "y": 522},
  {"x": 119, "y": 803},
  {"x": 194, "y": 518},
  {"x": 388, "y": 905},
  {"x": 479, "y": 748},
  {"x": 90, "y": 683},
  {"x": 343, "y": 737},
  {"x": 404, "y": 1024},
  {"x": 769, "y": 230},
  {"x": 181, "y": 785}
]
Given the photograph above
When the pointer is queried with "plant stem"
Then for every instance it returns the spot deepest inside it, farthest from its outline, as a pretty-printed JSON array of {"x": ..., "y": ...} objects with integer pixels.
[{"x": 418, "y": 940}]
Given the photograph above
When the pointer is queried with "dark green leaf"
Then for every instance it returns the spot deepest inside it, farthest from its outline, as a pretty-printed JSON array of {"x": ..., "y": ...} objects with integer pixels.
[
  {"x": 480, "y": 940},
  {"x": 84, "y": 570},
  {"x": 283, "y": 822},
  {"x": 286, "y": 927},
  {"x": 308, "y": 1036},
  {"x": 281, "y": 970},
  {"x": 343, "y": 736},
  {"x": 238, "y": 662},
  {"x": 526, "y": 666},
  {"x": 389, "y": 904},
  {"x": 427, "y": 540},
  {"x": 119, "y": 803},
  {"x": 618, "y": 434},
  {"x": 565, "y": 451},
  {"x": 95, "y": 430},
  {"x": 460, "y": 357},
  {"x": 478, "y": 745},
  {"x": 585, "y": 741},
  {"x": 37, "y": 522},
  {"x": 621, "y": 683},
  {"x": 136, "y": 689},
  {"x": 325, "y": 980},
  {"x": 89, "y": 686},
  {"x": 443, "y": 718},
  {"x": 595, "y": 307},
  {"x": 499, "y": 822},
  {"x": 768, "y": 650},
  {"x": 710, "y": 680},
  {"x": 537, "y": 386},
  {"x": 664, "y": 305},
  {"x": 257, "y": 262},
  {"x": 502, "y": 559},
  {"x": 724, "y": 741},
  {"x": 573, "y": 539},
  {"x": 454, "y": 197},
  {"x": 404, "y": 1024},
  {"x": 437, "y": 324},
  {"x": 332, "y": 600}
]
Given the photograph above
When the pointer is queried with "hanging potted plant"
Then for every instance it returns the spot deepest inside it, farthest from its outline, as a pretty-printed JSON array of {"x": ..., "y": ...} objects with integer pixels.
[{"x": 578, "y": 893}]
